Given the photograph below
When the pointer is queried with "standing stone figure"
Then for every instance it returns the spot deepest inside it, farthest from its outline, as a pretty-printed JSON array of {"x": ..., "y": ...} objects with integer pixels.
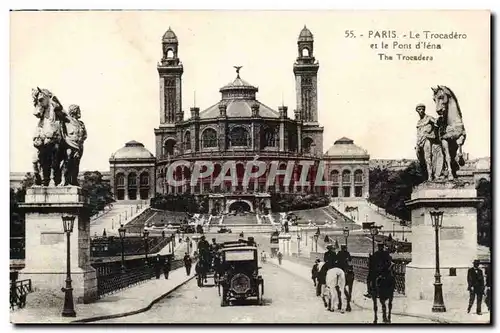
[
  {"x": 426, "y": 139},
  {"x": 74, "y": 134}
]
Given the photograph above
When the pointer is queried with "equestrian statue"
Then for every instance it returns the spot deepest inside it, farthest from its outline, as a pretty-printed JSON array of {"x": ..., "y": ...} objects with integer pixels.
[{"x": 58, "y": 139}]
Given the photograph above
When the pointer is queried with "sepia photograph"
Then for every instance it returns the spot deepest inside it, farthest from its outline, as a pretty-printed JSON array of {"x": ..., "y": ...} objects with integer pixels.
[{"x": 250, "y": 167}]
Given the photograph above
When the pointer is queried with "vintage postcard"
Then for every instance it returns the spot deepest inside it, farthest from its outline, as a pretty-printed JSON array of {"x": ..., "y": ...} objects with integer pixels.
[{"x": 250, "y": 167}]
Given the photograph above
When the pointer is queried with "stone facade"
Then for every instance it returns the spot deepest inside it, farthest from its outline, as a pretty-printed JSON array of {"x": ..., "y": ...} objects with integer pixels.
[{"x": 132, "y": 170}]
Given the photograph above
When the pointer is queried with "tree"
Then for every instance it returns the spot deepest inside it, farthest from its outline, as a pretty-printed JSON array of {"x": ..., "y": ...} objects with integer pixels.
[
  {"x": 484, "y": 212},
  {"x": 17, "y": 196},
  {"x": 98, "y": 191},
  {"x": 390, "y": 189}
]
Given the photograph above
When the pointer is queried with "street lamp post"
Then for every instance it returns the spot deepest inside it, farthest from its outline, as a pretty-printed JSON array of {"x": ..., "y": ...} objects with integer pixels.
[
  {"x": 316, "y": 236},
  {"x": 373, "y": 232},
  {"x": 121, "y": 232},
  {"x": 298, "y": 245},
  {"x": 146, "y": 243},
  {"x": 403, "y": 230},
  {"x": 437, "y": 223},
  {"x": 346, "y": 234},
  {"x": 69, "y": 307}
]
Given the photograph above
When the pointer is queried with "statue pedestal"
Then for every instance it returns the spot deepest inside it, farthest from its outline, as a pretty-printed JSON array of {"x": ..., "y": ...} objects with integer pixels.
[
  {"x": 457, "y": 239},
  {"x": 46, "y": 242},
  {"x": 284, "y": 244}
]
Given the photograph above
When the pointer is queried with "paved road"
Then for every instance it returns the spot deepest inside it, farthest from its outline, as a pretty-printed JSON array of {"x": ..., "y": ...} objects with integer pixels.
[{"x": 287, "y": 299}]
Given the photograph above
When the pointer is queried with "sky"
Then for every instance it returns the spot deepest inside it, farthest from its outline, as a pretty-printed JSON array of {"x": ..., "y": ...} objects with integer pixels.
[{"x": 106, "y": 63}]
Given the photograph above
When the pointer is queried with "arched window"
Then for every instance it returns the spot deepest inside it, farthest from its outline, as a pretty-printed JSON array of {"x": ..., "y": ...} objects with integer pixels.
[
  {"x": 144, "y": 186},
  {"x": 187, "y": 140},
  {"x": 132, "y": 186},
  {"x": 169, "y": 147},
  {"x": 292, "y": 140},
  {"x": 120, "y": 180},
  {"x": 120, "y": 186},
  {"x": 305, "y": 52},
  {"x": 269, "y": 137},
  {"x": 358, "y": 176},
  {"x": 170, "y": 54},
  {"x": 144, "y": 179},
  {"x": 132, "y": 179},
  {"x": 334, "y": 176},
  {"x": 346, "y": 176},
  {"x": 307, "y": 145},
  {"x": 239, "y": 137},
  {"x": 209, "y": 138}
]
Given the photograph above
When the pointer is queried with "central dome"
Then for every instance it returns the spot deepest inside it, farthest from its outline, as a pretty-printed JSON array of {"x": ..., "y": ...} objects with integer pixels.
[
  {"x": 238, "y": 89},
  {"x": 239, "y": 97},
  {"x": 132, "y": 150}
]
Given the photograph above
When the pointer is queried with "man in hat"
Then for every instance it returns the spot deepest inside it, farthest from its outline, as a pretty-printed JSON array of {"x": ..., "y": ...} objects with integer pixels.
[
  {"x": 475, "y": 281},
  {"x": 188, "y": 262},
  {"x": 203, "y": 248},
  {"x": 379, "y": 263},
  {"x": 426, "y": 132},
  {"x": 158, "y": 265},
  {"x": 343, "y": 258},
  {"x": 382, "y": 260},
  {"x": 315, "y": 271},
  {"x": 330, "y": 257}
]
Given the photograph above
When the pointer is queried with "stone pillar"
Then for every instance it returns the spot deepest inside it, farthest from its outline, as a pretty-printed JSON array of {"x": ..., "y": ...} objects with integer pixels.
[
  {"x": 125, "y": 196},
  {"x": 284, "y": 244},
  {"x": 46, "y": 242},
  {"x": 457, "y": 239}
]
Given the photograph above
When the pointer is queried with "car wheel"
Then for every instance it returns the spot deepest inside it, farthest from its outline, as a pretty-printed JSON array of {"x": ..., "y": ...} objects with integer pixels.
[{"x": 260, "y": 298}]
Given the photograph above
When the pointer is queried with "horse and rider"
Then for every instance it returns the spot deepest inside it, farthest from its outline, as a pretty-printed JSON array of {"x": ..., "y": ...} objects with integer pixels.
[
  {"x": 334, "y": 277},
  {"x": 203, "y": 265},
  {"x": 381, "y": 282}
]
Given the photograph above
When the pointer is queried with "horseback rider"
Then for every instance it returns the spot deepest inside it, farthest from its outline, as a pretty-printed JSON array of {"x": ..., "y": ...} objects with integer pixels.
[
  {"x": 344, "y": 258},
  {"x": 330, "y": 259},
  {"x": 382, "y": 260},
  {"x": 204, "y": 248},
  {"x": 379, "y": 264}
]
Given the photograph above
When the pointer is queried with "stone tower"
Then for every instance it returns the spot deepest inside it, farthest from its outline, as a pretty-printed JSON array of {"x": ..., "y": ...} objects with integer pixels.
[
  {"x": 306, "y": 74},
  {"x": 170, "y": 70}
]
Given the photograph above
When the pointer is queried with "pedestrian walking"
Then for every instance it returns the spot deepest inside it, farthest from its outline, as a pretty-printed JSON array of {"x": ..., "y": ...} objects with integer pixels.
[
  {"x": 487, "y": 299},
  {"x": 280, "y": 257},
  {"x": 475, "y": 281},
  {"x": 315, "y": 271},
  {"x": 158, "y": 263},
  {"x": 166, "y": 267},
  {"x": 188, "y": 262}
]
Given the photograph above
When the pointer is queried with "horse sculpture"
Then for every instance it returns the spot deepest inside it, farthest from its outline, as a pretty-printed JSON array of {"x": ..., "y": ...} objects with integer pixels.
[
  {"x": 48, "y": 138},
  {"x": 383, "y": 286},
  {"x": 451, "y": 129}
]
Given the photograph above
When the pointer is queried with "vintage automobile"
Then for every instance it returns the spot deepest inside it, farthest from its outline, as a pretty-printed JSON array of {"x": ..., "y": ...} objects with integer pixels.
[{"x": 239, "y": 273}]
